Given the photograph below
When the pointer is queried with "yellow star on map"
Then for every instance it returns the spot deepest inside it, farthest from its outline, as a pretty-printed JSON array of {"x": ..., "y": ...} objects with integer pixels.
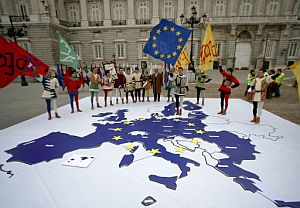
[
  {"x": 154, "y": 38},
  {"x": 130, "y": 147},
  {"x": 156, "y": 52},
  {"x": 158, "y": 31},
  {"x": 117, "y": 129},
  {"x": 142, "y": 119},
  {"x": 174, "y": 53},
  {"x": 179, "y": 47},
  {"x": 195, "y": 141},
  {"x": 176, "y": 119},
  {"x": 154, "y": 45},
  {"x": 191, "y": 124},
  {"x": 168, "y": 56},
  {"x": 127, "y": 122},
  {"x": 155, "y": 151},
  {"x": 180, "y": 149},
  {"x": 172, "y": 29},
  {"x": 180, "y": 40},
  {"x": 200, "y": 131},
  {"x": 165, "y": 28},
  {"x": 178, "y": 33},
  {"x": 117, "y": 138},
  {"x": 162, "y": 55}
]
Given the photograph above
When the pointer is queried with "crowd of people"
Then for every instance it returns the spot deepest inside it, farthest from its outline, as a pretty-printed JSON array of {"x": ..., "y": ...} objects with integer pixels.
[{"x": 123, "y": 83}]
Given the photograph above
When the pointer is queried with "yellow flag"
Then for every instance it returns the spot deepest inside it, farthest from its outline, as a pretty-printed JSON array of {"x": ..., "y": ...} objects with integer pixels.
[
  {"x": 296, "y": 70},
  {"x": 208, "y": 50},
  {"x": 183, "y": 59}
]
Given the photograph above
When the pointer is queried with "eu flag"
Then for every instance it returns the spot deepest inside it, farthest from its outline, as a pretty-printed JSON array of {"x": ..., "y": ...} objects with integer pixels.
[{"x": 167, "y": 41}]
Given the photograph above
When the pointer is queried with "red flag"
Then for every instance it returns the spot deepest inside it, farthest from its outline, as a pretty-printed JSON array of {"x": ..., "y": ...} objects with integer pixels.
[
  {"x": 40, "y": 66},
  {"x": 11, "y": 63}
]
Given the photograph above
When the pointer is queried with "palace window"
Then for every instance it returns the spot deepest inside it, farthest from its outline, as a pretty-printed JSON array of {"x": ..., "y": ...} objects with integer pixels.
[
  {"x": 73, "y": 13},
  {"x": 220, "y": 8},
  {"x": 293, "y": 51},
  {"x": 246, "y": 8},
  {"x": 273, "y": 7},
  {"x": 168, "y": 10}
]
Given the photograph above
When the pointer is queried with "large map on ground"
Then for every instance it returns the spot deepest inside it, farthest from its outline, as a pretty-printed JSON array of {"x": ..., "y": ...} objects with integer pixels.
[{"x": 145, "y": 150}]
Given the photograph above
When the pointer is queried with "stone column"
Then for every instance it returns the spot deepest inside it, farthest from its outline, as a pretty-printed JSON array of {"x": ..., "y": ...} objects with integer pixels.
[
  {"x": 180, "y": 9},
  {"x": 53, "y": 12},
  {"x": 260, "y": 8},
  {"x": 130, "y": 19},
  {"x": 107, "y": 17},
  {"x": 62, "y": 10},
  {"x": 84, "y": 19},
  {"x": 6, "y": 11},
  {"x": 34, "y": 16},
  {"x": 156, "y": 8}
]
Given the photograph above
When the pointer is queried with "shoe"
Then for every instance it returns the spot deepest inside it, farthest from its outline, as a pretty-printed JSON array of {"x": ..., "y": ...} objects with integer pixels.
[
  {"x": 78, "y": 110},
  {"x": 72, "y": 111},
  {"x": 202, "y": 103},
  {"x": 122, "y": 101},
  {"x": 49, "y": 116},
  {"x": 168, "y": 100},
  {"x": 257, "y": 121},
  {"x": 224, "y": 112},
  {"x": 111, "y": 104},
  {"x": 180, "y": 112},
  {"x": 253, "y": 120},
  {"x": 92, "y": 107},
  {"x": 177, "y": 112},
  {"x": 57, "y": 116},
  {"x": 98, "y": 105},
  {"x": 117, "y": 101},
  {"x": 197, "y": 103},
  {"x": 148, "y": 99},
  {"x": 221, "y": 112}
]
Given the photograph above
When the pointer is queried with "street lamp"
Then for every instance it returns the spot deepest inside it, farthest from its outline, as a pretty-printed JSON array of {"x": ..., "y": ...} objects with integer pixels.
[
  {"x": 268, "y": 38},
  {"x": 234, "y": 57},
  {"x": 14, "y": 32},
  {"x": 193, "y": 20}
]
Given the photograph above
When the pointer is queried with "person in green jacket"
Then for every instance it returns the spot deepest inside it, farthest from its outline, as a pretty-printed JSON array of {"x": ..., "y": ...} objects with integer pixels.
[
  {"x": 278, "y": 82},
  {"x": 250, "y": 78}
]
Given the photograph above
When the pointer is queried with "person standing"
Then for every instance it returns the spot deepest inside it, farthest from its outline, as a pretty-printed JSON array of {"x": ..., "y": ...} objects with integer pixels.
[
  {"x": 95, "y": 80},
  {"x": 119, "y": 85},
  {"x": 171, "y": 84},
  {"x": 259, "y": 88},
  {"x": 278, "y": 82},
  {"x": 181, "y": 88},
  {"x": 146, "y": 77},
  {"x": 226, "y": 86},
  {"x": 138, "y": 84},
  {"x": 157, "y": 84},
  {"x": 201, "y": 80},
  {"x": 49, "y": 83},
  {"x": 73, "y": 83},
  {"x": 107, "y": 83},
  {"x": 129, "y": 85},
  {"x": 250, "y": 78}
]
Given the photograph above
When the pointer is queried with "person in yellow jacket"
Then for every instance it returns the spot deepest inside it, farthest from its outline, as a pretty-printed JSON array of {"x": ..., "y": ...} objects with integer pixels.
[
  {"x": 278, "y": 82},
  {"x": 250, "y": 78}
]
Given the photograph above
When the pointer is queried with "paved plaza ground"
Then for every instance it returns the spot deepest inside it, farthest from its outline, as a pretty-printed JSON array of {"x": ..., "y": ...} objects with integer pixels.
[{"x": 21, "y": 103}]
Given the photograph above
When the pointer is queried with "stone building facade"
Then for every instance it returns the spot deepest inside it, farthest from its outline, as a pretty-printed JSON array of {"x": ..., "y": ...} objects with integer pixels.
[{"x": 246, "y": 31}]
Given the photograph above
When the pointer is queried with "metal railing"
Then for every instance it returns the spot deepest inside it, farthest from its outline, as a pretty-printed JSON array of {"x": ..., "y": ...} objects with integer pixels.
[
  {"x": 95, "y": 23},
  {"x": 254, "y": 19},
  {"x": 69, "y": 24},
  {"x": 118, "y": 22},
  {"x": 20, "y": 18},
  {"x": 143, "y": 21}
]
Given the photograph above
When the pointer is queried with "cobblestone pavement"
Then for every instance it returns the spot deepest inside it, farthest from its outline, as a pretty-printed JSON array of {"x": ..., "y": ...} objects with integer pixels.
[{"x": 18, "y": 103}]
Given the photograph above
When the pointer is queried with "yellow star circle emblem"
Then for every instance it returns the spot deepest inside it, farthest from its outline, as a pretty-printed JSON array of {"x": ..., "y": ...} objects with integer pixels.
[{"x": 155, "y": 151}]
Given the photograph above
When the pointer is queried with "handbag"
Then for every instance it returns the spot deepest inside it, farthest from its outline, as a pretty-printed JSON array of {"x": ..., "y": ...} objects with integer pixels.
[{"x": 46, "y": 94}]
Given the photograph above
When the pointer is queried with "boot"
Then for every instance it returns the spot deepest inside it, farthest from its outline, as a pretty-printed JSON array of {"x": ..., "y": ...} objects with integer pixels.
[
  {"x": 98, "y": 105},
  {"x": 202, "y": 102},
  {"x": 122, "y": 101},
  {"x": 224, "y": 112},
  {"x": 177, "y": 112},
  {"x": 148, "y": 99},
  {"x": 180, "y": 112},
  {"x": 92, "y": 106},
  {"x": 168, "y": 99},
  {"x": 117, "y": 101},
  {"x": 254, "y": 119},
  {"x": 57, "y": 116},
  {"x": 72, "y": 111},
  {"x": 221, "y": 112},
  {"x": 173, "y": 100},
  {"x": 78, "y": 110},
  {"x": 111, "y": 104},
  {"x": 257, "y": 121},
  {"x": 49, "y": 116}
]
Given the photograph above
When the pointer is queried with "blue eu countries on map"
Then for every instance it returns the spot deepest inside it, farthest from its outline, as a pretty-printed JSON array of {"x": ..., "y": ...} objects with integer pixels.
[{"x": 150, "y": 134}]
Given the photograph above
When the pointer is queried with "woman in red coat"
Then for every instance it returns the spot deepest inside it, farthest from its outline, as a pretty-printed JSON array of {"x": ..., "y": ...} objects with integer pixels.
[
  {"x": 226, "y": 86},
  {"x": 73, "y": 83}
]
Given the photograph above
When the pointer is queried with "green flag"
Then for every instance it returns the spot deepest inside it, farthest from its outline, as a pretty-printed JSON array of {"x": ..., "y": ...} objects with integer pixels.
[{"x": 67, "y": 55}]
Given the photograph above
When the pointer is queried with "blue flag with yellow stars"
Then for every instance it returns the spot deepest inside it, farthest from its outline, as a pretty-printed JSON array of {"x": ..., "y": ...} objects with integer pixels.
[{"x": 167, "y": 41}]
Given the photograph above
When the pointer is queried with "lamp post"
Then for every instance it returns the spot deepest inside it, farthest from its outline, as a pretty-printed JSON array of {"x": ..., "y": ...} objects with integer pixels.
[
  {"x": 264, "y": 65},
  {"x": 193, "y": 20},
  {"x": 234, "y": 57},
  {"x": 14, "y": 32}
]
